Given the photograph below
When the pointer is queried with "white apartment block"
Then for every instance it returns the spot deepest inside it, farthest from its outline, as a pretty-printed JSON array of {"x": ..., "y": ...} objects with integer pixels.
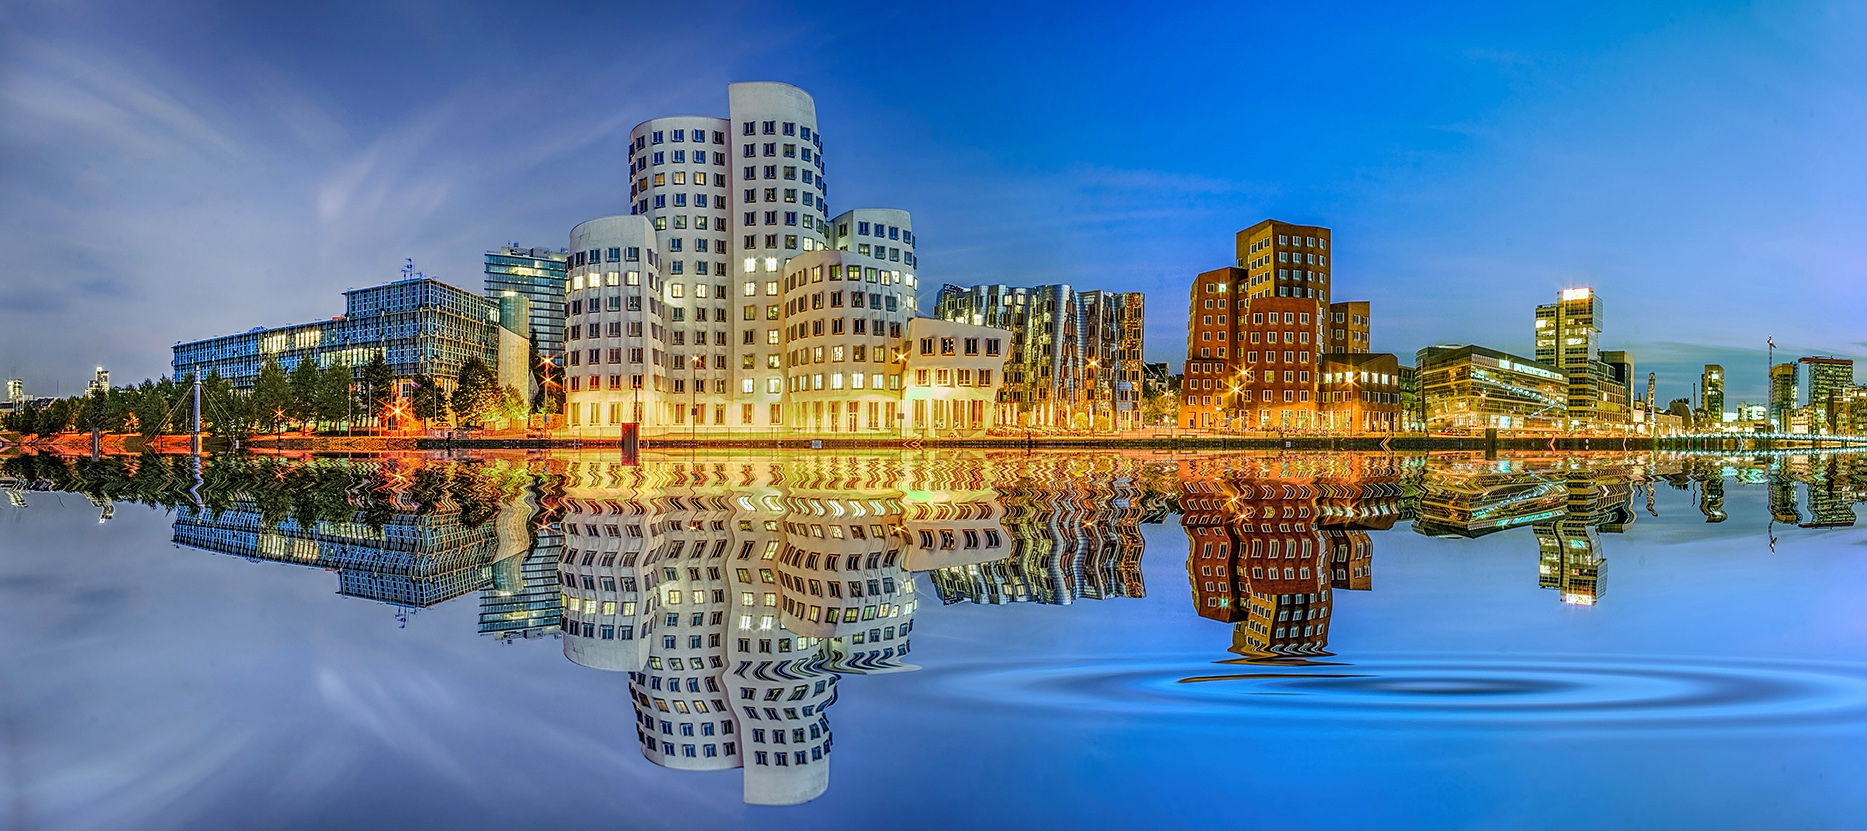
[{"x": 729, "y": 302}]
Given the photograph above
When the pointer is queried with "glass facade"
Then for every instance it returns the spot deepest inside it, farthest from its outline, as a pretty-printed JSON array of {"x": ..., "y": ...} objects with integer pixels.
[
  {"x": 539, "y": 275},
  {"x": 419, "y": 326}
]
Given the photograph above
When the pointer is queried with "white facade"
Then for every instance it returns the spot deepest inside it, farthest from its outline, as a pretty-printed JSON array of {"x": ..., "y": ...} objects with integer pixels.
[{"x": 754, "y": 312}]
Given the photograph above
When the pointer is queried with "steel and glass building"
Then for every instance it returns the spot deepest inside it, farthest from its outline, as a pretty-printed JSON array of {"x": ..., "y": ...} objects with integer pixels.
[
  {"x": 1783, "y": 381},
  {"x": 1075, "y": 355},
  {"x": 1829, "y": 377},
  {"x": 538, "y": 275},
  {"x": 1711, "y": 386},
  {"x": 420, "y": 326},
  {"x": 1568, "y": 337},
  {"x": 1471, "y": 387}
]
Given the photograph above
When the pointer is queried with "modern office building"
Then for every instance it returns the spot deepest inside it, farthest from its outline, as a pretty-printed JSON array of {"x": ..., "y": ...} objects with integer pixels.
[
  {"x": 538, "y": 275},
  {"x": 15, "y": 392},
  {"x": 1471, "y": 387},
  {"x": 1412, "y": 405},
  {"x": 1828, "y": 377},
  {"x": 1783, "y": 382},
  {"x": 1711, "y": 386},
  {"x": 1568, "y": 337},
  {"x": 1277, "y": 292},
  {"x": 420, "y": 326},
  {"x": 1075, "y": 356},
  {"x": 100, "y": 381}
]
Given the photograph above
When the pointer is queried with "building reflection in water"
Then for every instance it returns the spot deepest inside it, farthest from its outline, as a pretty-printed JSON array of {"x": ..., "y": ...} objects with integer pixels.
[
  {"x": 735, "y": 592},
  {"x": 435, "y": 540},
  {"x": 1272, "y": 538}
]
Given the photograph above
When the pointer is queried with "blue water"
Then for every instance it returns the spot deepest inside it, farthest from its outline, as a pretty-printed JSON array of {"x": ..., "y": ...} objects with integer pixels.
[{"x": 1719, "y": 680}]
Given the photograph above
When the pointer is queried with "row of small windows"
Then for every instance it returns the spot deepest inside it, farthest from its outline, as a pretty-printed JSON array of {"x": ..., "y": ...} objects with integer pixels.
[
  {"x": 861, "y": 326},
  {"x": 950, "y": 378},
  {"x": 863, "y": 229},
  {"x": 835, "y": 301},
  {"x": 771, "y": 149},
  {"x": 1291, "y": 239},
  {"x": 790, "y": 128},
  {"x": 772, "y": 171},
  {"x": 677, "y": 135},
  {"x": 971, "y": 346},
  {"x": 641, "y": 163},
  {"x": 610, "y": 255}
]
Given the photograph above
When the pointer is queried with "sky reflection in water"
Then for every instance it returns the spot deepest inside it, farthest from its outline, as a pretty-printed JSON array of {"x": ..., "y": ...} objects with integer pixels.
[{"x": 1536, "y": 642}]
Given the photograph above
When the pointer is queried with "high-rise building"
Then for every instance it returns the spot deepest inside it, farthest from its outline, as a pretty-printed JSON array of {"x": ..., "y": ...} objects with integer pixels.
[
  {"x": 15, "y": 391},
  {"x": 538, "y": 275},
  {"x": 1277, "y": 292},
  {"x": 728, "y": 295},
  {"x": 100, "y": 381},
  {"x": 1568, "y": 337},
  {"x": 1828, "y": 376},
  {"x": 1075, "y": 356},
  {"x": 1783, "y": 380},
  {"x": 731, "y": 200},
  {"x": 1711, "y": 382}
]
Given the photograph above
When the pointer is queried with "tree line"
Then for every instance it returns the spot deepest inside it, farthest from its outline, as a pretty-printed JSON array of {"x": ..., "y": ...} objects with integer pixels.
[{"x": 305, "y": 398}]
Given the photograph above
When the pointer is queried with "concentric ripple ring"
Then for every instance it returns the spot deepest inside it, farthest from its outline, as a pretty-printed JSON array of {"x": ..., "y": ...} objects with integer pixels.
[{"x": 1557, "y": 690}]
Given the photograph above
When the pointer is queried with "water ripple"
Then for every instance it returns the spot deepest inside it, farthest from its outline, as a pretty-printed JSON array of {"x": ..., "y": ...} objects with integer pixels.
[{"x": 1507, "y": 691}]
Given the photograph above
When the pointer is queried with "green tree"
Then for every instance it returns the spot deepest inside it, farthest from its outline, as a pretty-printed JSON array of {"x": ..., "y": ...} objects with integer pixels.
[
  {"x": 334, "y": 403},
  {"x": 512, "y": 405},
  {"x": 429, "y": 400},
  {"x": 307, "y": 385},
  {"x": 272, "y": 394},
  {"x": 378, "y": 387},
  {"x": 476, "y": 393}
]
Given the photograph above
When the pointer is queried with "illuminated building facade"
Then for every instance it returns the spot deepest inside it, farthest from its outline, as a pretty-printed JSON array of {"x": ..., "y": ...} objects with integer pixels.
[
  {"x": 952, "y": 377},
  {"x": 1277, "y": 292},
  {"x": 420, "y": 326},
  {"x": 538, "y": 275},
  {"x": 1568, "y": 337},
  {"x": 1471, "y": 387},
  {"x": 1361, "y": 392},
  {"x": 1783, "y": 379},
  {"x": 1828, "y": 378},
  {"x": 1075, "y": 356},
  {"x": 729, "y": 302},
  {"x": 1711, "y": 386},
  {"x": 843, "y": 330}
]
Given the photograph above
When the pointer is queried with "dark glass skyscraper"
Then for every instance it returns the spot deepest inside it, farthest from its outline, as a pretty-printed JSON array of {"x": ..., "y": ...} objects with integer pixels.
[{"x": 538, "y": 275}]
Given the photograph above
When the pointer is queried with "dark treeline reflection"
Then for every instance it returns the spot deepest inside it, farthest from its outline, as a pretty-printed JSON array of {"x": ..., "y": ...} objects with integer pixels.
[{"x": 735, "y": 591}]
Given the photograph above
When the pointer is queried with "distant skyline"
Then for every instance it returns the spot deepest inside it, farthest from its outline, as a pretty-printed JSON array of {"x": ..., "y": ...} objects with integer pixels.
[{"x": 184, "y": 170}]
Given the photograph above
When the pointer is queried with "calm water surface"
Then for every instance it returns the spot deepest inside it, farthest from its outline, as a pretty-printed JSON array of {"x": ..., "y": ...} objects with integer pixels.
[{"x": 933, "y": 640}]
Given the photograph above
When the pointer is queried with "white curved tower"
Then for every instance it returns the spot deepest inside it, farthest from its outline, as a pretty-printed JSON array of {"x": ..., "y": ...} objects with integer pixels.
[
  {"x": 615, "y": 364},
  {"x": 734, "y": 207}
]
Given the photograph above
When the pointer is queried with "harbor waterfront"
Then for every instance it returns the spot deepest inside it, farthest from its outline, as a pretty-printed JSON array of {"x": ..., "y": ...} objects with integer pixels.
[{"x": 831, "y": 631}]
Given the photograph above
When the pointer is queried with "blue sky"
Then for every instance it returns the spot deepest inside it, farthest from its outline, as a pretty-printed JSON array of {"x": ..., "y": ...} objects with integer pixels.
[{"x": 187, "y": 169}]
